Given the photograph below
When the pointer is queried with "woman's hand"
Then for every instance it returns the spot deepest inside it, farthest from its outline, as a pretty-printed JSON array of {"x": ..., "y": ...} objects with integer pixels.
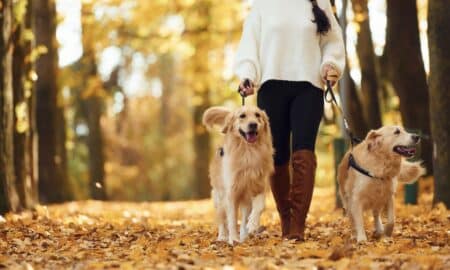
[
  {"x": 247, "y": 87},
  {"x": 330, "y": 74}
]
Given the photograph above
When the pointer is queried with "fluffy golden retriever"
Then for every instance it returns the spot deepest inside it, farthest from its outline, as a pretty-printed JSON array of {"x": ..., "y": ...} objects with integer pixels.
[
  {"x": 240, "y": 169},
  {"x": 383, "y": 153}
]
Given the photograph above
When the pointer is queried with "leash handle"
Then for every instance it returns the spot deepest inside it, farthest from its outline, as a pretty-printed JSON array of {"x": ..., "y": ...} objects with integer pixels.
[
  {"x": 329, "y": 95},
  {"x": 243, "y": 95}
]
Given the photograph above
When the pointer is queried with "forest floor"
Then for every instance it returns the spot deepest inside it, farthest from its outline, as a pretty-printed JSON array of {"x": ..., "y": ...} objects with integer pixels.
[{"x": 181, "y": 235}]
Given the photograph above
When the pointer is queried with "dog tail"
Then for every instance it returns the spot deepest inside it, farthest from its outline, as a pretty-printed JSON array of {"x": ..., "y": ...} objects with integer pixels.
[
  {"x": 410, "y": 172},
  {"x": 215, "y": 116}
]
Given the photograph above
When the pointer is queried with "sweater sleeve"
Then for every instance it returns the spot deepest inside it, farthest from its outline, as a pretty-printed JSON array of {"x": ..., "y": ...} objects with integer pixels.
[
  {"x": 332, "y": 43},
  {"x": 246, "y": 65}
]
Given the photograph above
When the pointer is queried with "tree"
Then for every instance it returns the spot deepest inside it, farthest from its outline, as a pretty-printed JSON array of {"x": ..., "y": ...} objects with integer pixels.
[
  {"x": 200, "y": 67},
  {"x": 351, "y": 101},
  {"x": 9, "y": 200},
  {"x": 167, "y": 71},
  {"x": 406, "y": 69},
  {"x": 439, "y": 40},
  {"x": 25, "y": 154},
  {"x": 92, "y": 107},
  {"x": 53, "y": 181},
  {"x": 366, "y": 55}
]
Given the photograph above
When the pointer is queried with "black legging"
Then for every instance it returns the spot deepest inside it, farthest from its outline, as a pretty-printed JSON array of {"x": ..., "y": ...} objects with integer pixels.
[{"x": 295, "y": 107}]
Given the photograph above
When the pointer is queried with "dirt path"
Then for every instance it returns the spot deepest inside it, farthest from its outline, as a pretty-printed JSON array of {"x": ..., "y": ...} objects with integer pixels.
[{"x": 180, "y": 235}]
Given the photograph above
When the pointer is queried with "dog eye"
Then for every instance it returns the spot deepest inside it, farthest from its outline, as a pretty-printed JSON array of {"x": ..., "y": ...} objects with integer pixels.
[
  {"x": 242, "y": 115},
  {"x": 257, "y": 115},
  {"x": 397, "y": 131}
]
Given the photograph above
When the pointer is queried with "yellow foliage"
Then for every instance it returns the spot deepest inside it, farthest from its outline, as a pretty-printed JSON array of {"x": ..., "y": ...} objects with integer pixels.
[{"x": 21, "y": 112}]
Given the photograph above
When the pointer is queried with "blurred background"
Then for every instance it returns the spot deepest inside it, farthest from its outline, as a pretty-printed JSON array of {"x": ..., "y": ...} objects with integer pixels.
[{"x": 109, "y": 94}]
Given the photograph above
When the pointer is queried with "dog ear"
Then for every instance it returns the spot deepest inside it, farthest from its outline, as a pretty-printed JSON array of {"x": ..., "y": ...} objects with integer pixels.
[
  {"x": 215, "y": 116},
  {"x": 373, "y": 134},
  {"x": 228, "y": 125},
  {"x": 266, "y": 121},
  {"x": 372, "y": 139}
]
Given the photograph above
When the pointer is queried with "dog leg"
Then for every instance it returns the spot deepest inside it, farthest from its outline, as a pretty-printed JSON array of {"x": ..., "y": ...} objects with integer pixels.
[
  {"x": 231, "y": 220},
  {"x": 258, "y": 205},
  {"x": 243, "y": 232},
  {"x": 378, "y": 224},
  {"x": 390, "y": 217},
  {"x": 358, "y": 221},
  {"x": 221, "y": 219}
]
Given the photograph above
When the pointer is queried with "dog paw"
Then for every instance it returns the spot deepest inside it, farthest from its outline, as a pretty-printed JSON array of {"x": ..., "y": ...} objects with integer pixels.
[
  {"x": 222, "y": 238},
  {"x": 389, "y": 229},
  {"x": 233, "y": 241},
  {"x": 242, "y": 237},
  {"x": 378, "y": 234},
  {"x": 361, "y": 239},
  {"x": 252, "y": 226}
]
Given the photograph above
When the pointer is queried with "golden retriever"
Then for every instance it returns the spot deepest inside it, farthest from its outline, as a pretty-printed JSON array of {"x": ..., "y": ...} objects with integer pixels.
[
  {"x": 240, "y": 169},
  {"x": 383, "y": 153}
]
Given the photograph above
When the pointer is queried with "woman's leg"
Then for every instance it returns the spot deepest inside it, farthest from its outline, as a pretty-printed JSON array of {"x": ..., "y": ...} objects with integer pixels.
[
  {"x": 306, "y": 114},
  {"x": 273, "y": 98}
]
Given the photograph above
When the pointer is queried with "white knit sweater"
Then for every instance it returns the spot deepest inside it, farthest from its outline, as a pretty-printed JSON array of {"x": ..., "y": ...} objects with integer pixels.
[{"x": 280, "y": 41}]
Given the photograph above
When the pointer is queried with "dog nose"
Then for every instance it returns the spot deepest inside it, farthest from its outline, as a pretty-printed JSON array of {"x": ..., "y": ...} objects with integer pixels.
[
  {"x": 252, "y": 126},
  {"x": 415, "y": 138}
]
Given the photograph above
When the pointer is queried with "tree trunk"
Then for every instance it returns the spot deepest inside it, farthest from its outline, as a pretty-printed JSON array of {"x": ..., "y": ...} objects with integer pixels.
[
  {"x": 167, "y": 72},
  {"x": 53, "y": 182},
  {"x": 9, "y": 199},
  {"x": 353, "y": 108},
  {"x": 366, "y": 55},
  {"x": 350, "y": 100},
  {"x": 23, "y": 158},
  {"x": 33, "y": 144},
  {"x": 406, "y": 69},
  {"x": 92, "y": 108},
  {"x": 202, "y": 139},
  {"x": 439, "y": 42}
]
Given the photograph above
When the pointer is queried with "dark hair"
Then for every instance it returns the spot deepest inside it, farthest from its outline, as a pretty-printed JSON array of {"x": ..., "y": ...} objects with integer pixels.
[{"x": 320, "y": 18}]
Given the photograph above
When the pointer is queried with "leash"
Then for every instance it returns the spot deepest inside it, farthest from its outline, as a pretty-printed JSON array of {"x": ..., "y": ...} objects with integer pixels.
[
  {"x": 331, "y": 98},
  {"x": 243, "y": 95}
]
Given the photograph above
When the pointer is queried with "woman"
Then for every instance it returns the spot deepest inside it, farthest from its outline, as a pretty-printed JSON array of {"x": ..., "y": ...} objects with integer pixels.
[{"x": 289, "y": 48}]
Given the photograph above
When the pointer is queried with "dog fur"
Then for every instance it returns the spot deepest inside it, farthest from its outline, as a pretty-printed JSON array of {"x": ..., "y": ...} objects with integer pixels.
[
  {"x": 239, "y": 175},
  {"x": 377, "y": 154}
]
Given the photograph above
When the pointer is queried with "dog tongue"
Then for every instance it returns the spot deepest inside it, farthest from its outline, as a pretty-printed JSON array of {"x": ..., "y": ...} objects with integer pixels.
[
  {"x": 408, "y": 151},
  {"x": 250, "y": 137}
]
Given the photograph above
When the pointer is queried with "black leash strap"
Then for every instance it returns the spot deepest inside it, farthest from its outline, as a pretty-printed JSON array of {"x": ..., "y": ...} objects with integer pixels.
[
  {"x": 246, "y": 84},
  {"x": 331, "y": 98}
]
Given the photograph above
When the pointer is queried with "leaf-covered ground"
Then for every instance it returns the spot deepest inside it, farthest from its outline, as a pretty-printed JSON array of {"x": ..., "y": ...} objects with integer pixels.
[{"x": 181, "y": 235}]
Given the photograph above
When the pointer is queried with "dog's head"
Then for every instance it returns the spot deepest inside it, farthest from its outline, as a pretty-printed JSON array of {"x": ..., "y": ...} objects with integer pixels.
[
  {"x": 248, "y": 123},
  {"x": 392, "y": 140}
]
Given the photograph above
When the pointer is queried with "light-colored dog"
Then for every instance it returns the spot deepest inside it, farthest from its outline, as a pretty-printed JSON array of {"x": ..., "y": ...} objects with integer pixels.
[
  {"x": 240, "y": 169},
  {"x": 383, "y": 153}
]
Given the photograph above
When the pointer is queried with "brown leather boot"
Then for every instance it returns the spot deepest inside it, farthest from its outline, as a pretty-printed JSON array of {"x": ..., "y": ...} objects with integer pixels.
[
  {"x": 304, "y": 169},
  {"x": 280, "y": 184}
]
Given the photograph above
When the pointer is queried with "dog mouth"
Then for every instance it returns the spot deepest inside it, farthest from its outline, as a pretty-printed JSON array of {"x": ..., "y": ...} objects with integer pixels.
[
  {"x": 405, "y": 151},
  {"x": 250, "y": 136}
]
